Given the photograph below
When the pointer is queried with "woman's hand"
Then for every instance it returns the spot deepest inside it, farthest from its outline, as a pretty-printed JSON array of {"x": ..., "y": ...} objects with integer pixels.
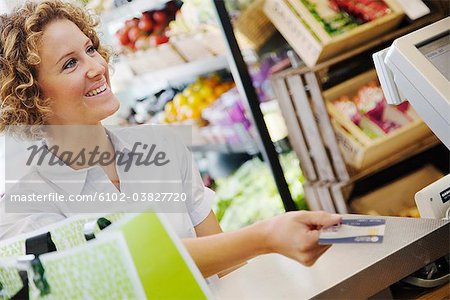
[{"x": 296, "y": 234}]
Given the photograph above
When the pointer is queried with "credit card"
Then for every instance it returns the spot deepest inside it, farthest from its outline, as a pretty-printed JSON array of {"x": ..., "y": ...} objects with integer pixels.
[{"x": 354, "y": 231}]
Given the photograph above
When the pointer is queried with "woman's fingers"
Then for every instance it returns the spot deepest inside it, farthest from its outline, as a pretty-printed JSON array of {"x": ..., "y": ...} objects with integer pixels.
[
  {"x": 318, "y": 218},
  {"x": 308, "y": 258},
  {"x": 296, "y": 234}
]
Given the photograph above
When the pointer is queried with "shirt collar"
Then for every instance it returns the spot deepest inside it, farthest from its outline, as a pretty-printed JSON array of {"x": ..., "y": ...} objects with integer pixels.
[
  {"x": 68, "y": 179},
  {"x": 118, "y": 142},
  {"x": 63, "y": 176}
]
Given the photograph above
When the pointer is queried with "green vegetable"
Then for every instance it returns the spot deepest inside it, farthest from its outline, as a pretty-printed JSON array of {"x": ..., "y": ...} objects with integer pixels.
[
  {"x": 334, "y": 25},
  {"x": 250, "y": 194}
]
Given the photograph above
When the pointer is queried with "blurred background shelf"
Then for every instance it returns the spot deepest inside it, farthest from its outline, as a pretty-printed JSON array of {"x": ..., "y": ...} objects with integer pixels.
[
  {"x": 407, "y": 152},
  {"x": 250, "y": 148},
  {"x": 125, "y": 79},
  {"x": 188, "y": 70},
  {"x": 131, "y": 9}
]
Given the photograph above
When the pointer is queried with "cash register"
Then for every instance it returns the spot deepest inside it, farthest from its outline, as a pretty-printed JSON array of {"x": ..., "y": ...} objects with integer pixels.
[{"x": 417, "y": 68}]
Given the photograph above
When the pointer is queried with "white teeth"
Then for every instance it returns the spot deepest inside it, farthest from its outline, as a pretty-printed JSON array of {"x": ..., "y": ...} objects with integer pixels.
[{"x": 96, "y": 91}]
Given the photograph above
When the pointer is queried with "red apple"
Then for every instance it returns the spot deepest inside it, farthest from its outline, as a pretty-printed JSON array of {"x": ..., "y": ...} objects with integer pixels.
[
  {"x": 158, "y": 28},
  {"x": 122, "y": 35},
  {"x": 156, "y": 40},
  {"x": 161, "y": 39},
  {"x": 160, "y": 17},
  {"x": 147, "y": 14},
  {"x": 152, "y": 40},
  {"x": 142, "y": 43},
  {"x": 132, "y": 23},
  {"x": 133, "y": 34},
  {"x": 146, "y": 24}
]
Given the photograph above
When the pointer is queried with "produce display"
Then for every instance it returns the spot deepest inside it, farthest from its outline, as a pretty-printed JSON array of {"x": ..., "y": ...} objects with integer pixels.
[
  {"x": 368, "y": 110},
  {"x": 211, "y": 104},
  {"x": 228, "y": 122},
  {"x": 250, "y": 194},
  {"x": 195, "y": 14},
  {"x": 200, "y": 14},
  {"x": 362, "y": 10},
  {"x": 149, "y": 30},
  {"x": 190, "y": 103},
  {"x": 261, "y": 68},
  {"x": 338, "y": 16}
]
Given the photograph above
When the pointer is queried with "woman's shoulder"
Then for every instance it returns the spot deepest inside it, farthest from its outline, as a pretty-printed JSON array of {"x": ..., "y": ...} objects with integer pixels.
[{"x": 31, "y": 182}]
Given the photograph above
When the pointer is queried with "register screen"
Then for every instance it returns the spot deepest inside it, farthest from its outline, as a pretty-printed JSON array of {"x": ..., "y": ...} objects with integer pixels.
[{"x": 438, "y": 53}]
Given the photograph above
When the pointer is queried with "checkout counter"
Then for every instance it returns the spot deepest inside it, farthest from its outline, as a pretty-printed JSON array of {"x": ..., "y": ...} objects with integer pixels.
[
  {"x": 345, "y": 271},
  {"x": 415, "y": 67}
]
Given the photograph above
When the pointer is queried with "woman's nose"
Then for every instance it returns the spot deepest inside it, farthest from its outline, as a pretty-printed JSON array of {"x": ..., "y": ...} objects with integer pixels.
[{"x": 95, "y": 68}]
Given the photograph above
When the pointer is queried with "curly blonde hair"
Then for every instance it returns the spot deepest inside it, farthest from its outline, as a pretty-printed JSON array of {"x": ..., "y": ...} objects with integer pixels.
[{"x": 20, "y": 32}]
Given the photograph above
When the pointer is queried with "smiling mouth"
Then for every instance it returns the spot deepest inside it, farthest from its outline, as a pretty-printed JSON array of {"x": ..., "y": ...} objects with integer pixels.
[{"x": 97, "y": 91}]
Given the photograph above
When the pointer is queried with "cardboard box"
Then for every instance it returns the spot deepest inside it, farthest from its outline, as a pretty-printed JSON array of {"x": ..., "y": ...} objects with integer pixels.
[{"x": 253, "y": 28}]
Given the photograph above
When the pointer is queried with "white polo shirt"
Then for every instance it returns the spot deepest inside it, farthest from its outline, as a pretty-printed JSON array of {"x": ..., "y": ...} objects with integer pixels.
[{"x": 183, "y": 216}]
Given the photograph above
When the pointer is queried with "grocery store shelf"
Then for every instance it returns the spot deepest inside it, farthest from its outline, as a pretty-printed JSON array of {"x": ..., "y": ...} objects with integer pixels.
[
  {"x": 250, "y": 148},
  {"x": 187, "y": 70},
  {"x": 386, "y": 38},
  {"x": 406, "y": 153},
  {"x": 124, "y": 79},
  {"x": 132, "y": 9}
]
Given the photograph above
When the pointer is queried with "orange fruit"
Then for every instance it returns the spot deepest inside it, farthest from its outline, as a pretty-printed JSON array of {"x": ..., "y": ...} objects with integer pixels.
[
  {"x": 194, "y": 99},
  {"x": 194, "y": 113},
  {"x": 179, "y": 100},
  {"x": 169, "y": 108},
  {"x": 220, "y": 89},
  {"x": 206, "y": 91},
  {"x": 215, "y": 77},
  {"x": 196, "y": 86},
  {"x": 209, "y": 82},
  {"x": 211, "y": 99},
  {"x": 171, "y": 118},
  {"x": 187, "y": 91},
  {"x": 183, "y": 112}
]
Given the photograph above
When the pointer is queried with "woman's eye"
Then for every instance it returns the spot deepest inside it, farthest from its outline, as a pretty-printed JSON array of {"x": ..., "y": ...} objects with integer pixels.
[
  {"x": 90, "y": 50},
  {"x": 70, "y": 63}
]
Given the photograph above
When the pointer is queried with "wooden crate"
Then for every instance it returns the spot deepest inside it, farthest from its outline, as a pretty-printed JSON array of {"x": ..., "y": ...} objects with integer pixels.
[
  {"x": 308, "y": 38},
  {"x": 358, "y": 149},
  {"x": 396, "y": 198},
  {"x": 253, "y": 28}
]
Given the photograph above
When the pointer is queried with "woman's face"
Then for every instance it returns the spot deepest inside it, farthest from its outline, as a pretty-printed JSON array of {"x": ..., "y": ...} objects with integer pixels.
[{"x": 74, "y": 76}]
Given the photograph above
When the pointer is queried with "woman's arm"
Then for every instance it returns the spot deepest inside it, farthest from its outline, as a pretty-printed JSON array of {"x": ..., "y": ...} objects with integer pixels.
[
  {"x": 294, "y": 234},
  {"x": 209, "y": 226}
]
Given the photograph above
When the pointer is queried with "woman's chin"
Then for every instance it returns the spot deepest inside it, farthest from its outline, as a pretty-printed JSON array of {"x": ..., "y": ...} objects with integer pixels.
[{"x": 111, "y": 109}]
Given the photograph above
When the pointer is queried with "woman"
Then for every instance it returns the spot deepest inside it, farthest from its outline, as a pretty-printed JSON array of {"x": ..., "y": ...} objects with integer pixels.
[{"x": 54, "y": 71}]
